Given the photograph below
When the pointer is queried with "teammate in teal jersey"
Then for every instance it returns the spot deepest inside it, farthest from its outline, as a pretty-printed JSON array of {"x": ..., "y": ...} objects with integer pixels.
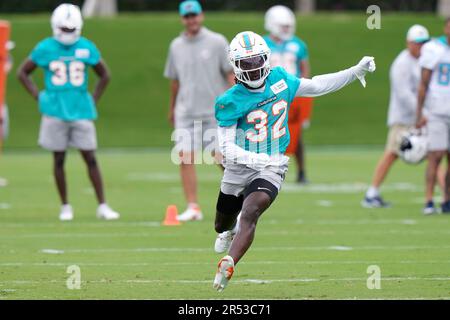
[
  {"x": 287, "y": 50},
  {"x": 253, "y": 136},
  {"x": 291, "y": 53},
  {"x": 68, "y": 109}
]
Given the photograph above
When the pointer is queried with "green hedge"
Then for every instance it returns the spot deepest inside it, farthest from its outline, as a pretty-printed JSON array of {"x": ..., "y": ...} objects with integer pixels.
[{"x": 15, "y": 6}]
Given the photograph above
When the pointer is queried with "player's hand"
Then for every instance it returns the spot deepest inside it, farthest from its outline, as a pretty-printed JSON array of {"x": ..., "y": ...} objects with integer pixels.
[
  {"x": 367, "y": 64},
  {"x": 421, "y": 122},
  {"x": 258, "y": 161}
]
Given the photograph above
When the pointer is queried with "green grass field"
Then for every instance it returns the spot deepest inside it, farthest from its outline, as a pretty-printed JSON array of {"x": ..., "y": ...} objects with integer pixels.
[
  {"x": 133, "y": 111},
  {"x": 315, "y": 242}
]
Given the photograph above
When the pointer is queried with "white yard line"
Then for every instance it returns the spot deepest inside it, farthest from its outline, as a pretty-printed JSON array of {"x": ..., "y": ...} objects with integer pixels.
[
  {"x": 347, "y": 187},
  {"x": 235, "y": 281},
  {"x": 5, "y": 206},
  {"x": 117, "y": 224},
  {"x": 284, "y": 248},
  {"x": 261, "y": 233},
  {"x": 111, "y": 224},
  {"x": 176, "y": 263}
]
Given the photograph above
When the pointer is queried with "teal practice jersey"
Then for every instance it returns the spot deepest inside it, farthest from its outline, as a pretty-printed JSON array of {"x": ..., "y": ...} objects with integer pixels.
[
  {"x": 66, "y": 95},
  {"x": 261, "y": 117},
  {"x": 287, "y": 54}
]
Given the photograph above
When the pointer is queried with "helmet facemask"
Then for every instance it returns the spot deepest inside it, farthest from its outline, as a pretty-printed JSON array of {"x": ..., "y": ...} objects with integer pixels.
[
  {"x": 67, "y": 23},
  {"x": 252, "y": 70},
  {"x": 66, "y": 36},
  {"x": 284, "y": 31}
]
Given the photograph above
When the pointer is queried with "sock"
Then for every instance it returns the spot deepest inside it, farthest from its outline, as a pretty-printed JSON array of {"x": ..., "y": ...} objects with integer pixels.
[
  {"x": 372, "y": 192},
  {"x": 301, "y": 175},
  {"x": 101, "y": 205},
  {"x": 236, "y": 226},
  {"x": 66, "y": 207},
  {"x": 193, "y": 206},
  {"x": 229, "y": 258}
]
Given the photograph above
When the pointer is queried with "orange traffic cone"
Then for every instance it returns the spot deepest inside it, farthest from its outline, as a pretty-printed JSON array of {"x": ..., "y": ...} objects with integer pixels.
[{"x": 171, "y": 216}]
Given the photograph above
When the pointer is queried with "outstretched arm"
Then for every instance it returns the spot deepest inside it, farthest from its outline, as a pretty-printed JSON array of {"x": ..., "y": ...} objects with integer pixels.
[{"x": 327, "y": 83}]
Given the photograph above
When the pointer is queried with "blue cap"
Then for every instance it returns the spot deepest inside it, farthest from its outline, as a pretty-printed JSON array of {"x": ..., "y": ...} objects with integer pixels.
[{"x": 190, "y": 7}]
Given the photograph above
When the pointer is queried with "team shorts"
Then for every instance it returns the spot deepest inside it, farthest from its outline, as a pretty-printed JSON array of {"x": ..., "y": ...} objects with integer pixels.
[
  {"x": 395, "y": 134},
  {"x": 59, "y": 135},
  {"x": 193, "y": 135},
  {"x": 238, "y": 177},
  {"x": 438, "y": 132}
]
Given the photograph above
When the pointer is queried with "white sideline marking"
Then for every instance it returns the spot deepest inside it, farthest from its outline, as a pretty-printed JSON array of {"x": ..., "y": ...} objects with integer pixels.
[
  {"x": 118, "y": 224},
  {"x": 317, "y": 248},
  {"x": 109, "y": 225},
  {"x": 409, "y": 221},
  {"x": 52, "y": 251},
  {"x": 5, "y": 206},
  {"x": 340, "y": 248},
  {"x": 362, "y": 221},
  {"x": 346, "y": 187},
  {"x": 261, "y": 233},
  {"x": 236, "y": 281},
  {"x": 176, "y": 263},
  {"x": 325, "y": 203},
  {"x": 3, "y": 182},
  {"x": 420, "y": 200},
  {"x": 167, "y": 176}
]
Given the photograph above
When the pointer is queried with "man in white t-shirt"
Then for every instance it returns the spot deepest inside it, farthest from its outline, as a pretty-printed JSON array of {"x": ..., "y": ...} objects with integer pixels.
[
  {"x": 433, "y": 111},
  {"x": 404, "y": 78}
]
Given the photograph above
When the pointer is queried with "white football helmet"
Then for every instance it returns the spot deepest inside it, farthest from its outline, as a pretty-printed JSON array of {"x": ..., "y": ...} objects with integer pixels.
[
  {"x": 249, "y": 55},
  {"x": 280, "y": 22},
  {"x": 413, "y": 147},
  {"x": 66, "y": 23}
]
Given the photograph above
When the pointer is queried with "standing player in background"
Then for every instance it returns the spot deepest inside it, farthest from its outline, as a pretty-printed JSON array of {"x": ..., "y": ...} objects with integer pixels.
[
  {"x": 4, "y": 116},
  {"x": 291, "y": 53},
  {"x": 68, "y": 109},
  {"x": 5, "y": 113},
  {"x": 404, "y": 78},
  {"x": 433, "y": 110},
  {"x": 253, "y": 138},
  {"x": 199, "y": 71}
]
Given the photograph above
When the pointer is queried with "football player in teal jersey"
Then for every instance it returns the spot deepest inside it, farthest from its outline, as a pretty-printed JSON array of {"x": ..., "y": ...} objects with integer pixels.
[
  {"x": 253, "y": 137},
  {"x": 68, "y": 109}
]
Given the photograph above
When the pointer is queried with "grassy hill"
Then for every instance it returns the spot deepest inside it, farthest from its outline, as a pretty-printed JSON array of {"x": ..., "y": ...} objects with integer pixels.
[{"x": 133, "y": 111}]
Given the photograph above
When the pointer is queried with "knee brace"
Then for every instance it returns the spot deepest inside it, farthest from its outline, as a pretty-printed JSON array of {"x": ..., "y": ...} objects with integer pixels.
[{"x": 229, "y": 204}]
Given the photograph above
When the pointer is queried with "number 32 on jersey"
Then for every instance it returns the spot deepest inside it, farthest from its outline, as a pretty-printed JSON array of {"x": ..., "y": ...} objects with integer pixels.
[
  {"x": 63, "y": 73},
  {"x": 259, "y": 119}
]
